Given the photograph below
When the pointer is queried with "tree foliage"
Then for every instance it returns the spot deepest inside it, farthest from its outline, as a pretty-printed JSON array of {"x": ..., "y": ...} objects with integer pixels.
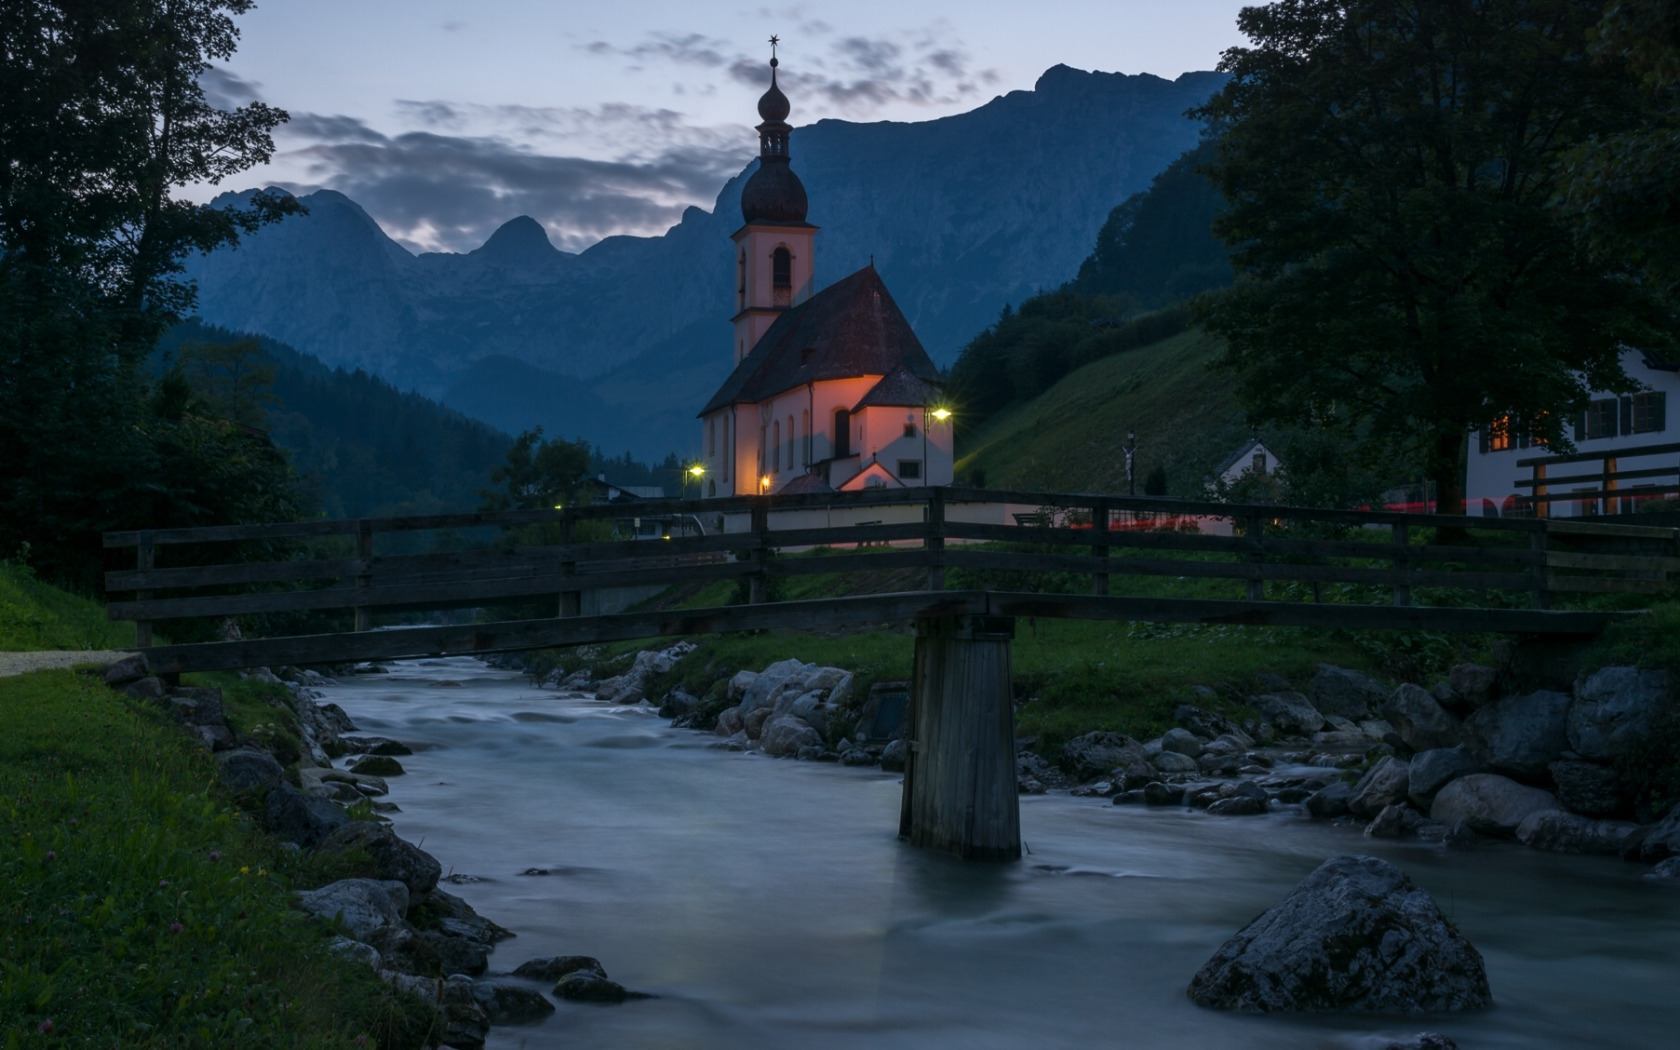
[
  {"x": 1392, "y": 170},
  {"x": 538, "y": 474},
  {"x": 102, "y": 118}
]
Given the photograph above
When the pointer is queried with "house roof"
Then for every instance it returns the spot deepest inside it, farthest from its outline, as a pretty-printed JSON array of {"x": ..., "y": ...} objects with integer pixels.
[
  {"x": 805, "y": 484},
  {"x": 899, "y": 388},
  {"x": 1248, "y": 446},
  {"x": 851, "y": 328}
]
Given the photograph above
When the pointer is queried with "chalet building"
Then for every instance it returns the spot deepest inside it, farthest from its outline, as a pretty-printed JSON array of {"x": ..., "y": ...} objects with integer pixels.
[
  {"x": 831, "y": 389},
  {"x": 1625, "y": 455}
]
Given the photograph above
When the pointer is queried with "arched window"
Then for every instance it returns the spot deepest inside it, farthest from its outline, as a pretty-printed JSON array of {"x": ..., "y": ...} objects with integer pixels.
[
  {"x": 781, "y": 268},
  {"x": 842, "y": 433},
  {"x": 790, "y": 444},
  {"x": 776, "y": 446},
  {"x": 805, "y": 429},
  {"x": 711, "y": 487},
  {"x": 763, "y": 446},
  {"x": 711, "y": 437}
]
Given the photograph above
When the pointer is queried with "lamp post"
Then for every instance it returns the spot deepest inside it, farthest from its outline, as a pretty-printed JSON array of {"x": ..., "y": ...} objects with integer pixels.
[
  {"x": 696, "y": 471},
  {"x": 939, "y": 414},
  {"x": 1130, "y": 449}
]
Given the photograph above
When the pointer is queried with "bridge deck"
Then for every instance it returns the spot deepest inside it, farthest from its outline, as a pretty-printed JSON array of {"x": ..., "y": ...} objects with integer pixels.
[{"x": 515, "y": 635}]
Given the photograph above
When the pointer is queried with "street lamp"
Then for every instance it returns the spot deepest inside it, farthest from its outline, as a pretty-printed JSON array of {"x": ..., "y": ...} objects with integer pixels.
[
  {"x": 696, "y": 471},
  {"x": 1131, "y": 455}
]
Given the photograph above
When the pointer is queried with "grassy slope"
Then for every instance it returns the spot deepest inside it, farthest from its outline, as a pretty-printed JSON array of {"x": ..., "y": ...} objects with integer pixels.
[
  {"x": 1068, "y": 439},
  {"x": 35, "y": 616}
]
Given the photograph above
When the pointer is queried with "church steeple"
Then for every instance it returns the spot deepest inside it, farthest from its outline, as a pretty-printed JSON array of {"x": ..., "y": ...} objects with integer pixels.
[{"x": 774, "y": 265}]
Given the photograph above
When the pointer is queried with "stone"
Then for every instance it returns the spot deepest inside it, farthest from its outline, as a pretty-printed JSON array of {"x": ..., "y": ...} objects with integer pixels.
[
  {"x": 1421, "y": 1041},
  {"x": 1459, "y": 835},
  {"x": 332, "y": 714},
  {"x": 1520, "y": 735},
  {"x": 457, "y": 954},
  {"x": 465, "y": 1024},
  {"x": 1383, "y": 785},
  {"x": 1181, "y": 740},
  {"x": 1558, "y": 831},
  {"x": 752, "y": 722},
  {"x": 763, "y": 689},
  {"x": 737, "y": 687},
  {"x": 292, "y": 816},
  {"x": 784, "y": 735},
  {"x": 1339, "y": 691},
  {"x": 392, "y": 857},
  {"x": 1173, "y": 762},
  {"x": 893, "y": 756},
  {"x": 1238, "y": 806},
  {"x": 1587, "y": 787},
  {"x": 1159, "y": 794},
  {"x": 590, "y": 986},
  {"x": 1215, "y": 765},
  {"x": 815, "y": 753},
  {"x": 198, "y": 706},
  {"x": 248, "y": 770},
  {"x": 1474, "y": 684},
  {"x": 355, "y": 951},
  {"x": 856, "y": 756},
  {"x": 1668, "y": 869},
  {"x": 729, "y": 722},
  {"x": 457, "y": 916},
  {"x": 372, "y": 745},
  {"x": 145, "y": 689},
  {"x": 552, "y": 968},
  {"x": 1614, "y": 711},
  {"x": 377, "y": 766},
  {"x": 1330, "y": 801},
  {"x": 505, "y": 1002},
  {"x": 129, "y": 669},
  {"x": 1430, "y": 771},
  {"x": 1093, "y": 755},
  {"x": 1489, "y": 803},
  {"x": 1290, "y": 712},
  {"x": 1662, "y": 839},
  {"x": 1204, "y": 724},
  {"x": 359, "y": 906},
  {"x": 1355, "y": 935},
  {"x": 1136, "y": 775},
  {"x": 1420, "y": 720}
]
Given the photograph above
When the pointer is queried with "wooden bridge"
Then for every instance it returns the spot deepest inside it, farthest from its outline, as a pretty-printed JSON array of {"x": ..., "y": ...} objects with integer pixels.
[{"x": 1018, "y": 554}]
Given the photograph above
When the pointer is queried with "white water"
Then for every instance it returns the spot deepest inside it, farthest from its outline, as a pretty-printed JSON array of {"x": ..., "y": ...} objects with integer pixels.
[{"x": 769, "y": 904}]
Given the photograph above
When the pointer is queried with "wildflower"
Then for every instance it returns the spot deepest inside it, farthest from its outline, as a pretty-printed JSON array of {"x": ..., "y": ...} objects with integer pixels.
[
  {"x": 46, "y": 1027},
  {"x": 361, "y": 1040},
  {"x": 176, "y": 927},
  {"x": 163, "y": 884},
  {"x": 245, "y": 870},
  {"x": 262, "y": 871},
  {"x": 215, "y": 854},
  {"x": 52, "y": 854}
]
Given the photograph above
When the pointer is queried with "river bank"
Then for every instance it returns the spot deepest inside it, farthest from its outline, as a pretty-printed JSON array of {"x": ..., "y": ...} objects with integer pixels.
[{"x": 769, "y": 903}]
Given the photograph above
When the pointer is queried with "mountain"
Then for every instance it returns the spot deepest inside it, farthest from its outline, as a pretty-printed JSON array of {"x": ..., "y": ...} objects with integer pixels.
[{"x": 622, "y": 342}]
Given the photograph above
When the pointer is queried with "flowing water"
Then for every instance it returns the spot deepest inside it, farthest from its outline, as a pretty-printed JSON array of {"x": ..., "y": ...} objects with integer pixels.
[{"x": 769, "y": 904}]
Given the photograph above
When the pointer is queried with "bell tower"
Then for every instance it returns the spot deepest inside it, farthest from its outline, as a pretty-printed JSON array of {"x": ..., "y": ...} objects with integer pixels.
[{"x": 774, "y": 264}]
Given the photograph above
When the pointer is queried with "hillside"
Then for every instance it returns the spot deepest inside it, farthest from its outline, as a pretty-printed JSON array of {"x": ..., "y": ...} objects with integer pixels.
[
  {"x": 961, "y": 215},
  {"x": 1069, "y": 438}
]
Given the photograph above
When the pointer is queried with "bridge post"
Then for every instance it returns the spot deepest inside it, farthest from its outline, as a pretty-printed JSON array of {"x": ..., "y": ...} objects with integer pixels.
[
  {"x": 936, "y": 540},
  {"x": 1099, "y": 545},
  {"x": 571, "y": 602},
  {"x": 145, "y": 560},
  {"x": 759, "y": 583},
  {"x": 1402, "y": 537},
  {"x": 1540, "y": 571},
  {"x": 959, "y": 774},
  {"x": 1255, "y": 531},
  {"x": 364, "y": 578}
]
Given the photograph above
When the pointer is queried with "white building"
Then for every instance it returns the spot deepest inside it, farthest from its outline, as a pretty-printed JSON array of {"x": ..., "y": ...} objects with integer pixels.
[
  {"x": 830, "y": 390},
  {"x": 1625, "y": 453}
]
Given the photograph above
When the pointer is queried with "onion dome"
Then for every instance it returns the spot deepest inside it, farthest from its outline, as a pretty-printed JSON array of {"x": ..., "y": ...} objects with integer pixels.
[{"x": 774, "y": 193}]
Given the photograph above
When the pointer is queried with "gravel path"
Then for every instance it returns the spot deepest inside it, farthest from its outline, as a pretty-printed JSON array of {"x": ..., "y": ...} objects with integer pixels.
[{"x": 23, "y": 663}]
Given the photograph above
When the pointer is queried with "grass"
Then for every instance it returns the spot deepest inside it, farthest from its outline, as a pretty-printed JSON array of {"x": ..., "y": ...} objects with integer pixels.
[
  {"x": 140, "y": 908},
  {"x": 36, "y": 616},
  {"x": 1069, "y": 438}
]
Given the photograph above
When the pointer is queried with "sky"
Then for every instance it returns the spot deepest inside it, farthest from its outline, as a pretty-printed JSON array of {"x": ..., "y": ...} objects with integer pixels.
[{"x": 445, "y": 118}]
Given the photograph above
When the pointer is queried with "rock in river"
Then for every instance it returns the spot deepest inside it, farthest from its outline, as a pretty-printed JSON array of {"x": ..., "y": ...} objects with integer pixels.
[
  {"x": 1356, "y": 934},
  {"x": 1490, "y": 804}
]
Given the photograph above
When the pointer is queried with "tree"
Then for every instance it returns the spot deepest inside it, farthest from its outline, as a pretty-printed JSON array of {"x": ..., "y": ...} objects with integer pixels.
[
  {"x": 235, "y": 378},
  {"x": 102, "y": 118},
  {"x": 538, "y": 474},
  {"x": 1392, "y": 170}
]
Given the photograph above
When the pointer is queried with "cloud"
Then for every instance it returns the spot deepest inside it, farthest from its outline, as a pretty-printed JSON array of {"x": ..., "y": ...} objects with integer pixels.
[
  {"x": 226, "y": 90},
  {"x": 444, "y": 192}
]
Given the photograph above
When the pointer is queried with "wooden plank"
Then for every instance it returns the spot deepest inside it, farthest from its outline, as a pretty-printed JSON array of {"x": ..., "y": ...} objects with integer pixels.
[
  {"x": 339, "y": 527},
  {"x": 1604, "y": 585},
  {"x": 1584, "y": 457},
  {"x": 1230, "y": 570},
  {"x": 878, "y": 561},
  {"x": 549, "y": 632},
  {"x": 1609, "y": 530},
  {"x": 1601, "y": 476},
  {"x": 1610, "y": 562},
  {"x": 236, "y": 573}
]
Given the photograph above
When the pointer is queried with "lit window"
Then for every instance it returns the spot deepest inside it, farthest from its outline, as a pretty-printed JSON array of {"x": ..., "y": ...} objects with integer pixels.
[{"x": 1499, "y": 435}]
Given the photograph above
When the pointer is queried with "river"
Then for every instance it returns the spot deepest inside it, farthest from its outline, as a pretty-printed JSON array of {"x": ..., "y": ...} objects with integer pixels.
[{"x": 768, "y": 903}]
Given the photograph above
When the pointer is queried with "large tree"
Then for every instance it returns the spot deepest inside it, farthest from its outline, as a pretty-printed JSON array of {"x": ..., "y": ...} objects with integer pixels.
[
  {"x": 1392, "y": 170},
  {"x": 102, "y": 121}
]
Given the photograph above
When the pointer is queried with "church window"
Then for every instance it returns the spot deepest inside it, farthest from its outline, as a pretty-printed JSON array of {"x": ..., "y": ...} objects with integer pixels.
[
  {"x": 711, "y": 487},
  {"x": 842, "y": 433},
  {"x": 910, "y": 469},
  {"x": 805, "y": 429},
  {"x": 711, "y": 437},
  {"x": 781, "y": 268},
  {"x": 763, "y": 446},
  {"x": 909, "y": 430},
  {"x": 776, "y": 446},
  {"x": 790, "y": 444}
]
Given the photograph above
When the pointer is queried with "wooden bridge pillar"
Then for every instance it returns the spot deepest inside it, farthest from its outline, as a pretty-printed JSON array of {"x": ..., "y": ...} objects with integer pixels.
[{"x": 959, "y": 774}]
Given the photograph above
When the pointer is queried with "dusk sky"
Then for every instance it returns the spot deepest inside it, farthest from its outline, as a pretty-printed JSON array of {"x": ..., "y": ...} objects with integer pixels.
[{"x": 445, "y": 119}]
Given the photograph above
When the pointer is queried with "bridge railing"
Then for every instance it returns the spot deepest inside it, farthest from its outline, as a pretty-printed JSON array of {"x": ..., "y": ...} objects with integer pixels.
[{"x": 1113, "y": 544}]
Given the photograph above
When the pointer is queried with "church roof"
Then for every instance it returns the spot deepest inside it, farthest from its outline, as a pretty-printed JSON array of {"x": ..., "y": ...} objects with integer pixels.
[
  {"x": 805, "y": 484},
  {"x": 851, "y": 328},
  {"x": 899, "y": 388}
]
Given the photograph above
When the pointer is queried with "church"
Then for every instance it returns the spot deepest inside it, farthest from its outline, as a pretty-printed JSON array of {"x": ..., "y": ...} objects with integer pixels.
[{"x": 831, "y": 390}]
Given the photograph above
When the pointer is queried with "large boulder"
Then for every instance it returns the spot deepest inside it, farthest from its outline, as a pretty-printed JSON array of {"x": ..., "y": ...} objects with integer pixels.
[
  {"x": 1431, "y": 771},
  {"x": 784, "y": 735},
  {"x": 1349, "y": 694},
  {"x": 465, "y": 1024},
  {"x": 248, "y": 770},
  {"x": 1614, "y": 711},
  {"x": 1489, "y": 803},
  {"x": 1183, "y": 741},
  {"x": 1587, "y": 787},
  {"x": 1093, "y": 755},
  {"x": 1173, "y": 762},
  {"x": 1520, "y": 735},
  {"x": 360, "y": 906},
  {"x": 292, "y": 816},
  {"x": 392, "y": 857},
  {"x": 130, "y": 668},
  {"x": 1289, "y": 712},
  {"x": 508, "y": 1002},
  {"x": 1355, "y": 935},
  {"x": 1662, "y": 839},
  {"x": 1382, "y": 786},
  {"x": 1559, "y": 832},
  {"x": 762, "y": 691},
  {"x": 1330, "y": 800},
  {"x": 1420, "y": 720}
]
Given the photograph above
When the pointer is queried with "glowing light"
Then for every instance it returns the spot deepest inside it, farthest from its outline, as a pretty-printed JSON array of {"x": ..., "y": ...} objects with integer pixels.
[
  {"x": 697, "y": 470},
  {"x": 941, "y": 413},
  {"x": 764, "y": 483},
  {"x": 559, "y": 507}
]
